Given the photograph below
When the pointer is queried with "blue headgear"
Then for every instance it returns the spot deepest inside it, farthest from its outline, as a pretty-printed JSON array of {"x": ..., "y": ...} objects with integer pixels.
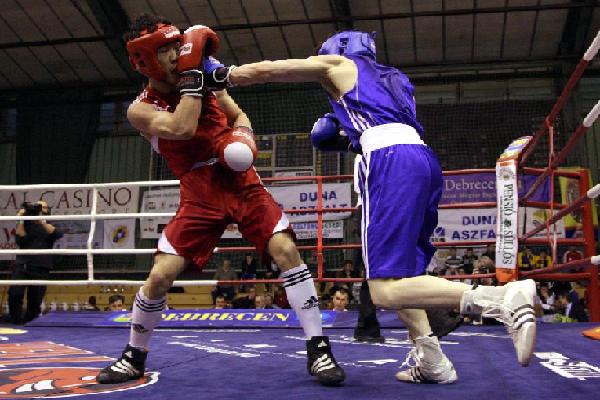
[{"x": 351, "y": 43}]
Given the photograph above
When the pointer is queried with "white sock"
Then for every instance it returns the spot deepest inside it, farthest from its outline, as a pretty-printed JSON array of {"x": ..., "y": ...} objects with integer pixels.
[
  {"x": 300, "y": 289},
  {"x": 474, "y": 300},
  {"x": 145, "y": 317}
]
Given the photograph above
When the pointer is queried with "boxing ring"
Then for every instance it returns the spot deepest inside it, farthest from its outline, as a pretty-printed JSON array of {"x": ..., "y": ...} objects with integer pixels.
[{"x": 58, "y": 354}]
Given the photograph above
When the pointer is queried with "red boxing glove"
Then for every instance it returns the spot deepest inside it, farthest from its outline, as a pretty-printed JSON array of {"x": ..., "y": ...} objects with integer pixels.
[
  {"x": 238, "y": 151},
  {"x": 198, "y": 41}
]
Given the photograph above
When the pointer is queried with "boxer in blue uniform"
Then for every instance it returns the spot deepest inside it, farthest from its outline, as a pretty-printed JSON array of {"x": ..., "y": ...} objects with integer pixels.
[{"x": 374, "y": 114}]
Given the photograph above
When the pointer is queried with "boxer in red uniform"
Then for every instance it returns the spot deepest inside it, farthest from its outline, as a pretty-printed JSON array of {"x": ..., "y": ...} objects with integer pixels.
[{"x": 208, "y": 144}]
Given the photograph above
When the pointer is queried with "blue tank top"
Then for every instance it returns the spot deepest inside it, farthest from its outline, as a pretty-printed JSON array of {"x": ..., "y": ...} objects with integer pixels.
[{"x": 382, "y": 95}]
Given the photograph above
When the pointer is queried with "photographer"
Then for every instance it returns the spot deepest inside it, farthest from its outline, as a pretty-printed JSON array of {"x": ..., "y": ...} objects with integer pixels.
[{"x": 31, "y": 235}]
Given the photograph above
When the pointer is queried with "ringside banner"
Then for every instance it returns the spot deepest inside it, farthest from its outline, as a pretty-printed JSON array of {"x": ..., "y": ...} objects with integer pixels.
[
  {"x": 335, "y": 195},
  {"x": 222, "y": 318},
  {"x": 121, "y": 199}
]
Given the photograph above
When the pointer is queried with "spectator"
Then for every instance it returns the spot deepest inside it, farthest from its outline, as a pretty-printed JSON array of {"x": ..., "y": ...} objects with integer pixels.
[
  {"x": 31, "y": 235},
  {"x": 271, "y": 272},
  {"x": 546, "y": 299},
  {"x": 269, "y": 301},
  {"x": 225, "y": 273},
  {"x": 526, "y": 259},
  {"x": 220, "y": 302},
  {"x": 340, "y": 300},
  {"x": 248, "y": 269},
  {"x": 484, "y": 265},
  {"x": 453, "y": 262},
  {"x": 116, "y": 302},
  {"x": 469, "y": 259},
  {"x": 543, "y": 260},
  {"x": 490, "y": 252},
  {"x": 461, "y": 271},
  {"x": 260, "y": 303},
  {"x": 91, "y": 304},
  {"x": 567, "y": 310},
  {"x": 346, "y": 272},
  {"x": 246, "y": 301},
  {"x": 280, "y": 298},
  {"x": 572, "y": 255}
]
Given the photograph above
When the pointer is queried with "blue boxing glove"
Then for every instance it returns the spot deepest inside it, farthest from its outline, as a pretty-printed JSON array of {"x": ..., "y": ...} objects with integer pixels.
[
  {"x": 216, "y": 75},
  {"x": 325, "y": 134}
]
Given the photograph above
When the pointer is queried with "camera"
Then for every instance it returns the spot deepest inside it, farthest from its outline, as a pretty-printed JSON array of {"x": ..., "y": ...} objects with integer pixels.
[{"x": 32, "y": 209}]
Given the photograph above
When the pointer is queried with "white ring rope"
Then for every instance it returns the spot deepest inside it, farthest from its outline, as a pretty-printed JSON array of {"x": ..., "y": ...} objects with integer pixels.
[
  {"x": 593, "y": 49},
  {"x": 101, "y": 282}
]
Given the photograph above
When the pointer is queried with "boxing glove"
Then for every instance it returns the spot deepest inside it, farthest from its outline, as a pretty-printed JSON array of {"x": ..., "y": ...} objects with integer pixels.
[
  {"x": 325, "y": 134},
  {"x": 216, "y": 75},
  {"x": 238, "y": 151},
  {"x": 196, "y": 41}
]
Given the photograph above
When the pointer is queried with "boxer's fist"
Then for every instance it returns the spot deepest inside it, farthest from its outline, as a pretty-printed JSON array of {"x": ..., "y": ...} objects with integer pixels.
[
  {"x": 325, "y": 134},
  {"x": 238, "y": 152},
  {"x": 197, "y": 41},
  {"x": 216, "y": 75}
]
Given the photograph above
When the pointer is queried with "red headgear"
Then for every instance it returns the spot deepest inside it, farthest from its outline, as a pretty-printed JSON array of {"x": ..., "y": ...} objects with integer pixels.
[{"x": 143, "y": 50}]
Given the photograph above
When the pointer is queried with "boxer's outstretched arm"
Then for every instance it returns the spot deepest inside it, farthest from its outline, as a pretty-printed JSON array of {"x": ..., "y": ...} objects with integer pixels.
[{"x": 336, "y": 74}]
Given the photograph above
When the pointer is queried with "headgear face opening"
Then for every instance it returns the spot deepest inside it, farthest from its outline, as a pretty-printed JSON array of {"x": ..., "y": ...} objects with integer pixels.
[
  {"x": 350, "y": 43},
  {"x": 143, "y": 50}
]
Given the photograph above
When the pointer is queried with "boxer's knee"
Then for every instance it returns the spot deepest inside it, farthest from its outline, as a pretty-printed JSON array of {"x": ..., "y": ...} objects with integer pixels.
[
  {"x": 387, "y": 293},
  {"x": 284, "y": 252}
]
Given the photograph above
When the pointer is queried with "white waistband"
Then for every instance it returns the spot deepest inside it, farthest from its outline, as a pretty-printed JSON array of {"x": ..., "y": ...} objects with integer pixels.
[
  {"x": 200, "y": 164},
  {"x": 386, "y": 135}
]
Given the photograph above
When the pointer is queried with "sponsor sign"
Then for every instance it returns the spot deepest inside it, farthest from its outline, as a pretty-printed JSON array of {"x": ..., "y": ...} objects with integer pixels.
[
  {"x": 297, "y": 197},
  {"x": 480, "y": 224},
  {"x": 567, "y": 368},
  {"x": 508, "y": 198},
  {"x": 43, "y": 369},
  {"x": 122, "y": 199},
  {"x": 221, "y": 318},
  {"x": 481, "y": 187},
  {"x": 119, "y": 233}
]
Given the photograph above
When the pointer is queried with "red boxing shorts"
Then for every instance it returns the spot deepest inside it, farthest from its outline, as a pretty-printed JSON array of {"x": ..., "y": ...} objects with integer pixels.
[{"x": 211, "y": 197}]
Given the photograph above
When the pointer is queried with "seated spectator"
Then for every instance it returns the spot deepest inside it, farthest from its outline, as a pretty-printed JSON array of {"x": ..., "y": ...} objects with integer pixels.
[
  {"x": 220, "y": 303},
  {"x": 340, "y": 300},
  {"x": 567, "y": 310},
  {"x": 572, "y": 255},
  {"x": 484, "y": 265},
  {"x": 269, "y": 301},
  {"x": 260, "y": 303},
  {"x": 546, "y": 300},
  {"x": 271, "y": 272},
  {"x": 280, "y": 298},
  {"x": 543, "y": 260},
  {"x": 453, "y": 262},
  {"x": 116, "y": 302},
  {"x": 246, "y": 302},
  {"x": 461, "y": 271},
  {"x": 91, "y": 304},
  {"x": 248, "y": 269},
  {"x": 490, "y": 252},
  {"x": 469, "y": 259},
  {"x": 225, "y": 273},
  {"x": 526, "y": 259}
]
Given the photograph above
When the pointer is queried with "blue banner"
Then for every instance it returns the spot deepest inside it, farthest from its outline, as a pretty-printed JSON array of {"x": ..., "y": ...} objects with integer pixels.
[{"x": 222, "y": 318}]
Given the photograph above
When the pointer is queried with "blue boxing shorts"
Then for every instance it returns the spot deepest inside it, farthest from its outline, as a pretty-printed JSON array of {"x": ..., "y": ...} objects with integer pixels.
[{"x": 401, "y": 184}]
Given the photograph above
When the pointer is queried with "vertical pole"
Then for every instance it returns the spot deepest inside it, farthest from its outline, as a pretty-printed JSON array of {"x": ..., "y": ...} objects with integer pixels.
[
  {"x": 320, "y": 227},
  {"x": 590, "y": 247}
]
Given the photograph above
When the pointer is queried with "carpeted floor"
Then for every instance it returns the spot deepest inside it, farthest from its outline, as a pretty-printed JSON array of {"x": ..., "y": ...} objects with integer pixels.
[{"x": 269, "y": 364}]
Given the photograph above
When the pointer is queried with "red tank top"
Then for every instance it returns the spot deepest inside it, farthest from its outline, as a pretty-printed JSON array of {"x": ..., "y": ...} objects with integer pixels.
[{"x": 181, "y": 155}]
